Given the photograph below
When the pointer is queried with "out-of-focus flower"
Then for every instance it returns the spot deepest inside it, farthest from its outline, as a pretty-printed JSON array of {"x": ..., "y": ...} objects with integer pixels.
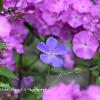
[
  {"x": 17, "y": 36},
  {"x": 13, "y": 40},
  {"x": 68, "y": 60},
  {"x": 93, "y": 92},
  {"x": 62, "y": 92},
  {"x": 85, "y": 45},
  {"x": 71, "y": 91},
  {"x": 6, "y": 59},
  {"x": 95, "y": 12},
  {"x": 26, "y": 82},
  {"x": 51, "y": 52}
]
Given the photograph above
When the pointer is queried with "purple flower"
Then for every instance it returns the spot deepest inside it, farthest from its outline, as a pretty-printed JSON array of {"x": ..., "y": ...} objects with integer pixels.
[
  {"x": 27, "y": 82},
  {"x": 51, "y": 52}
]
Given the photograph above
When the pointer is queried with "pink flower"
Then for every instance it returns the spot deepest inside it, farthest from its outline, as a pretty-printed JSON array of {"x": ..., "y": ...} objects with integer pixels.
[
  {"x": 49, "y": 18},
  {"x": 95, "y": 12},
  {"x": 74, "y": 19},
  {"x": 89, "y": 22},
  {"x": 85, "y": 45},
  {"x": 91, "y": 93},
  {"x": 94, "y": 92},
  {"x": 82, "y": 6},
  {"x": 54, "y": 5},
  {"x": 62, "y": 92},
  {"x": 5, "y": 27},
  {"x": 71, "y": 92}
]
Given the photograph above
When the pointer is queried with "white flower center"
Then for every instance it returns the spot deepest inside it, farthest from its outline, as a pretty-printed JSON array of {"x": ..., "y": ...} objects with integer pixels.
[{"x": 51, "y": 53}]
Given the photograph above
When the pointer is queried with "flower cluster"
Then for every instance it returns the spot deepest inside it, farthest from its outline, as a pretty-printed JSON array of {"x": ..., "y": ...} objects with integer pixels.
[
  {"x": 13, "y": 36},
  {"x": 64, "y": 18},
  {"x": 77, "y": 20},
  {"x": 66, "y": 32}
]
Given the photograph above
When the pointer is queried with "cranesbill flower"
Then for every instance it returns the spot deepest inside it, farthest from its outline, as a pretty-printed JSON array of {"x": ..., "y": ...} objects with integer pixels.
[
  {"x": 85, "y": 45},
  {"x": 51, "y": 51}
]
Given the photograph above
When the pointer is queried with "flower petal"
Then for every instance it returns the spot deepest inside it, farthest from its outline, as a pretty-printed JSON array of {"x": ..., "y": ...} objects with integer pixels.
[
  {"x": 60, "y": 49},
  {"x": 56, "y": 62},
  {"x": 45, "y": 59},
  {"x": 51, "y": 43},
  {"x": 42, "y": 47}
]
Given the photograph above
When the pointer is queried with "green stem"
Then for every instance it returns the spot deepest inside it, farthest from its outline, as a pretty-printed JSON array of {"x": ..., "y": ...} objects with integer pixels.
[
  {"x": 49, "y": 70},
  {"x": 20, "y": 76},
  {"x": 59, "y": 76}
]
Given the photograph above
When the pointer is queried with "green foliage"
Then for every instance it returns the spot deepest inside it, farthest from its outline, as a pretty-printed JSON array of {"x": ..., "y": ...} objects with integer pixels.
[
  {"x": 32, "y": 94},
  {"x": 7, "y": 73},
  {"x": 4, "y": 86},
  {"x": 1, "y": 4},
  {"x": 3, "y": 46},
  {"x": 98, "y": 80}
]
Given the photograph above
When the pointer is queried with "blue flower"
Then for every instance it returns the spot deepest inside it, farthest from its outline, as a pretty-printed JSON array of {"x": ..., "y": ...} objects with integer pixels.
[{"x": 51, "y": 52}]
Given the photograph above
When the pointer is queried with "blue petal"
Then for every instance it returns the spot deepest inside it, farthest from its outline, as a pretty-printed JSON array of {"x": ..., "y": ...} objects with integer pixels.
[
  {"x": 51, "y": 43},
  {"x": 57, "y": 62},
  {"x": 45, "y": 59},
  {"x": 60, "y": 49},
  {"x": 42, "y": 47}
]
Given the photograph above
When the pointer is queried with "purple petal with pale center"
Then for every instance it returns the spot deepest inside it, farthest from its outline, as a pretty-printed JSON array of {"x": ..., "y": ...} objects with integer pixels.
[
  {"x": 42, "y": 47},
  {"x": 45, "y": 58},
  {"x": 56, "y": 62},
  {"x": 51, "y": 43},
  {"x": 60, "y": 49}
]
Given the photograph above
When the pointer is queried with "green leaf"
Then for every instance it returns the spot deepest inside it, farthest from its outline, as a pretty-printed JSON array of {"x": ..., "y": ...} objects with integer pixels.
[
  {"x": 7, "y": 73},
  {"x": 29, "y": 39},
  {"x": 95, "y": 73},
  {"x": 32, "y": 94},
  {"x": 4, "y": 85},
  {"x": 3, "y": 46},
  {"x": 1, "y": 4},
  {"x": 98, "y": 81}
]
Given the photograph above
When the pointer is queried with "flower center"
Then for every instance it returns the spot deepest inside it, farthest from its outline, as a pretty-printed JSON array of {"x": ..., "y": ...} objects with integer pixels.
[
  {"x": 85, "y": 44},
  {"x": 50, "y": 53}
]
